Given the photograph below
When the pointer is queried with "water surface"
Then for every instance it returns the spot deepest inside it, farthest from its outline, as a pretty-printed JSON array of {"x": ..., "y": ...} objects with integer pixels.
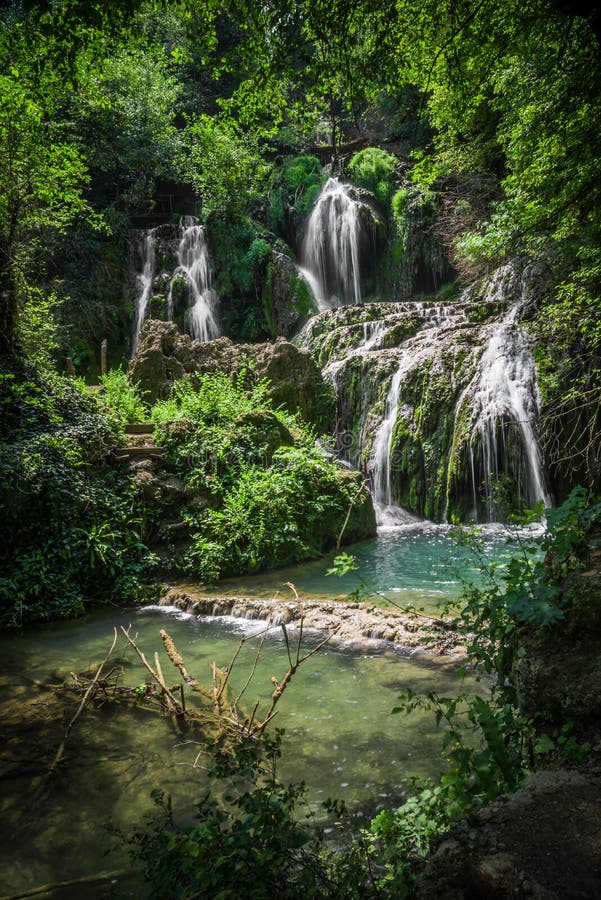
[
  {"x": 340, "y": 736},
  {"x": 420, "y": 565}
]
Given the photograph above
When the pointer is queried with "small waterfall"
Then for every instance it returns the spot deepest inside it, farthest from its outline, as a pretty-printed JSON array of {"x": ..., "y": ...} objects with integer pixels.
[
  {"x": 505, "y": 398},
  {"x": 157, "y": 277},
  {"x": 145, "y": 248},
  {"x": 463, "y": 378},
  {"x": 331, "y": 246},
  {"x": 387, "y": 512},
  {"x": 193, "y": 264}
]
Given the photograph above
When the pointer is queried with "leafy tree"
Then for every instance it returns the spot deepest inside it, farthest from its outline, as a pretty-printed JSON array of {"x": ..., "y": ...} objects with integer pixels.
[
  {"x": 41, "y": 179},
  {"x": 224, "y": 164},
  {"x": 123, "y": 111}
]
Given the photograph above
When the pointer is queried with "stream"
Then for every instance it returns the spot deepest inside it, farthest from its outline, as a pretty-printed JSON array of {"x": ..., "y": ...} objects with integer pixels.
[{"x": 340, "y": 736}]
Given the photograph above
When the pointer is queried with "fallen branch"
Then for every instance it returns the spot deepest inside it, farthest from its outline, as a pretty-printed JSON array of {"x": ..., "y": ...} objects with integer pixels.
[
  {"x": 157, "y": 676},
  {"x": 61, "y": 748},
  {"x": 85, "y": 879}
]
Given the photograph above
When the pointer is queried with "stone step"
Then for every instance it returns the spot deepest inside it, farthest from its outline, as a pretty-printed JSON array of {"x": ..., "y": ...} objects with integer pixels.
[
  {"x": 138, "y": 452},
  {"x": 139, "y": 428}
]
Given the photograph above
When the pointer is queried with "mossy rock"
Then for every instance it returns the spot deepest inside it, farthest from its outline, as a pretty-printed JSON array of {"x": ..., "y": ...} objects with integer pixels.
[
  {"x": 257, "y": 435},
  {"x": 295, "y": 381}
]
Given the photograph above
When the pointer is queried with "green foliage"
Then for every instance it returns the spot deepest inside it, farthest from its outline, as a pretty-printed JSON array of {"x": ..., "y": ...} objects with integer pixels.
[
  {"x": 248, "y": 841},
  {"x": 274, "y": 497},
  {"x": 272, "y": 517},
  {"x": 121, "y": 397},
  {"x": 373, "y": 169},
  {"x": 124, "y": 110},
  {"x": 38, "y": 325},
  {"x": 342, "y": 564},
  {"x": 214, "y": 400},
  {"x": 240, "y": 255},
  {"x": 224, "y": 163},
  {"x": 40, "y": 191},
  {"x": 294, "y": 187},
  {"x": 400, "y": 214},
  {"x": 72, "y": 527}
]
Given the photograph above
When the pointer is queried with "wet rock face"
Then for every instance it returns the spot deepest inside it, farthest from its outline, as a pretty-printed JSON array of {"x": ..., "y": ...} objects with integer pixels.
[
  {"x": 438, "y": 401},
  {"x": 164, "y": 355},
  {"x": 286, "y": 298}
]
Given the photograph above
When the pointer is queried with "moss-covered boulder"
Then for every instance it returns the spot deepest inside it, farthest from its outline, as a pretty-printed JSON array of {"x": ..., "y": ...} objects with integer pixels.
[
  {"x": 287, "y": 299},
  {"x": 295, "y": 381}
]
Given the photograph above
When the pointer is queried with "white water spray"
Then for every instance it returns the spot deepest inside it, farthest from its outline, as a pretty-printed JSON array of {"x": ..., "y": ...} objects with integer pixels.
[
  {"x": 194, "y": 265},
  {"x": 505, "y": 393},
  {"x": 330, "y": 252},
  {"x": 146, "y": 249},
  {"x": 387, "y": 512}
]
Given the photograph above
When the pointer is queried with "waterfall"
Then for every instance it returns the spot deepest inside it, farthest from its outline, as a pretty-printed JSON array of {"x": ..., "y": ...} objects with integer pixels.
[
  {"x": 387, "y": 511},
  {"x": 145, "y": 248},
  {"x": 505, "y": 398},
  {"x": 330, "y": 251},
  {"x": 159, "y": 280},
  {"x": 463, "y": 378},
  {"x": 194, "y": 266}
]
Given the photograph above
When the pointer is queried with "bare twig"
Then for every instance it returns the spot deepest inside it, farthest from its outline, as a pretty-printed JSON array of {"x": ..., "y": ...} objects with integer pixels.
[
  {"x": 157, "y": 676},
  {"x": 84, "y": 700}
]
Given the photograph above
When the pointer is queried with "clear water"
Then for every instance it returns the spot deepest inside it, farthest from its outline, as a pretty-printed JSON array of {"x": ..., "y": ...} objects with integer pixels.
[
  {"x": 340, "y": 736},
  {"x": 419, "y": 565}
]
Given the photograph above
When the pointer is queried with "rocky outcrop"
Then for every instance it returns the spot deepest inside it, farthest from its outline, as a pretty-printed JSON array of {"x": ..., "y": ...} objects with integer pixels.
[
  {"x": 286, "y": 298},
  {"x": 351, "y": 624},
  {"x": 295, "y": 382},
  {"x": 543, "y": 842},
  {"x": 438, "y": 401}
]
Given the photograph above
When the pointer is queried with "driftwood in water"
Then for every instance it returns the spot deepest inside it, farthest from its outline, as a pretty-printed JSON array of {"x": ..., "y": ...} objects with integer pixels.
[
  {"x": 75, "y": 882},
  {"x": 220, "y": 714}
]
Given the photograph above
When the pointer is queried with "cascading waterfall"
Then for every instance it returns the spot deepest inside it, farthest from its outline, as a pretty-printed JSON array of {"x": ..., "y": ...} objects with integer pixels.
[
  {"x": 504, "y": 397},
  {"x": 387, "y": 512},
  {"x": 331, "y": 247},
  {"x": 463, "y": 379},
  {"x": 194, "y": 265},
  {"x": 145, "y": 250}
]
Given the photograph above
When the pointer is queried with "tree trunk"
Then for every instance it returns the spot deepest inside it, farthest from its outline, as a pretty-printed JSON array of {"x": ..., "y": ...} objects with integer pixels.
[{"x": 8, "y": 310}]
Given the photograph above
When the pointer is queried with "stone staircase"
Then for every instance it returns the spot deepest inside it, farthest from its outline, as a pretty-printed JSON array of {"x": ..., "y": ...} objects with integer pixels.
[{"x": 140, "y": 444}]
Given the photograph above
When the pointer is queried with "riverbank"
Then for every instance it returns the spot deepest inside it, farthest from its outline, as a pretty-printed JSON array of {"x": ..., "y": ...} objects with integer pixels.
[{"x": 354, "y": 625}]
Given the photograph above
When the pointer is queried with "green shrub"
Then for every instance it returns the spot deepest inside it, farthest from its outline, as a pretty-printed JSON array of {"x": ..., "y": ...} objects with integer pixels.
[
  {"x": 373, "y": 169},
  {"x": 274, "y": 498},
  {"x": 294, "y": 188},
  {"x": 288, "y": 512},
  {"x": 72, "y": 526},
  {"x": 122, "y": 398},
  {"x": 248, "y": 841}
]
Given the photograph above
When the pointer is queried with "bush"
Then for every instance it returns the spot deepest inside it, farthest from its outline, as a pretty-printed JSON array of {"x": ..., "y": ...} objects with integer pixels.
[
  {"x": 122, "y": 398},
  {"x": 72, "y": 525},
  {"x": 373, "y": 169},
  {"x": 274, "y": 498},
  {"x": 294, "y": 189}
]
